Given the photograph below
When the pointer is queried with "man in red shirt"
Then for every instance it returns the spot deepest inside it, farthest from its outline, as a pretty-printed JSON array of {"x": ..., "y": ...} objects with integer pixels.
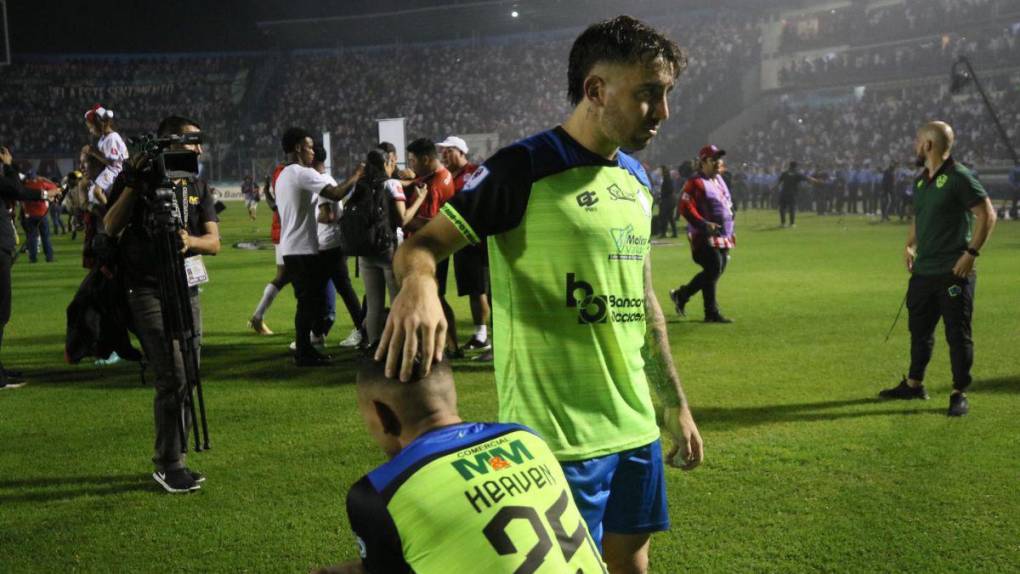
[
  {"x": 706, "y": 205},
  {"x": 423, "y": 159},
  {"x": 471, "y": 264},
  {"x": 281, "y": 280},
  {"x": 35, "y": 222}
]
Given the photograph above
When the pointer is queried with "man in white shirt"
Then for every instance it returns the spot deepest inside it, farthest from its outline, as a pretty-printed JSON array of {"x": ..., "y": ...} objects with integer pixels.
[{"x": 297, "y": 189}]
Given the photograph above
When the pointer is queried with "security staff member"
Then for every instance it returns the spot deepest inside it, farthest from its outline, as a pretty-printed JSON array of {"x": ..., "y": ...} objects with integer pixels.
[
  {"x": 942, "y": 246},
  {"x": 11, "y": 191},
  {"x": 138, "y": 261}
]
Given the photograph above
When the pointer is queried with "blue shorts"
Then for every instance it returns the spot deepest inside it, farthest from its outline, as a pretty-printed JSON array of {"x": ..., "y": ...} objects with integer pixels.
[{"x": 621, "y": 493}]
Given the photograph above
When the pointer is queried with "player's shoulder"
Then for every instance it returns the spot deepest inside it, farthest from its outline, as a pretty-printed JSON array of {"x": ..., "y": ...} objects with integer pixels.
[
  {"x": 435, "y": 444},
  {"x": 634, "y": 167}
]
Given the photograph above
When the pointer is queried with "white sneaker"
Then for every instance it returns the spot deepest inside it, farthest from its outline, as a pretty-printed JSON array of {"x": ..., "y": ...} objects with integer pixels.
[
  {"x": 352, "y": 340},
  {"x": 318, "y": 342}
]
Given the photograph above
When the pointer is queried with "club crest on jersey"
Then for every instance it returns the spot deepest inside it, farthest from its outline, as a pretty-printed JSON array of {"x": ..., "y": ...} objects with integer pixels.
[
  {"x": 941, "y": 180},
  {"x": 476, "y": 178}
]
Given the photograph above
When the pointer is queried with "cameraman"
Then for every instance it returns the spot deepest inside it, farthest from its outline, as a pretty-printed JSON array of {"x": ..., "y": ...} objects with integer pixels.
[
  {"x": 138, "y": 268},
  {"x": 11, "y": 190}
]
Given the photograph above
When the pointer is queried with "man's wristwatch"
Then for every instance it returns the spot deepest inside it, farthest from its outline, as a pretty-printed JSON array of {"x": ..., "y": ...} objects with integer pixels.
[{"x": 973, "y": 252}]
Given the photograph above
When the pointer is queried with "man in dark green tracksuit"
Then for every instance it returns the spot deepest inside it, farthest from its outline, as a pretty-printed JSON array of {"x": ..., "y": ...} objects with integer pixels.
[{"x": 941, "y": 248}]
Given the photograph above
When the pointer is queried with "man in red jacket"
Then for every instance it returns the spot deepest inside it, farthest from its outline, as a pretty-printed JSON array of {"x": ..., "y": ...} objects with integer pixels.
[
  {"x": 36, "y": 222},
  {"x": 706, "y": 205}
]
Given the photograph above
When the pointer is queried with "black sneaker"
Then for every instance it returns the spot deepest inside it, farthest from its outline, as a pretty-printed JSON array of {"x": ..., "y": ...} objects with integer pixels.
[
  {"x": 455, "y": 354},
  {"x": 198, "y": 477},
  {"x": 958, "y": 405},
  {"x": 476, "y": 344},
  {"x": 717, "y": 318},
  {"x": 676, "y": 296},
  {"x": 176, "y": 481},
  {"x": 905, "y": 392},
  {"x": 313, "y": 360}
]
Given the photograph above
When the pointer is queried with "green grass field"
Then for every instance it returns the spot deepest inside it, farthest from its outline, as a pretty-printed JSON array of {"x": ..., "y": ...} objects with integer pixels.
[{"x": 805, "y": 470}]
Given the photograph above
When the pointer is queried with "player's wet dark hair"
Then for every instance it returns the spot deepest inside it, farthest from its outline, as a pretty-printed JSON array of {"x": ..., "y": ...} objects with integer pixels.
[
  {"x": 619, "y": 40},
  {"x": 387, "y": 147},
  {"x": 292, "y": 137}
]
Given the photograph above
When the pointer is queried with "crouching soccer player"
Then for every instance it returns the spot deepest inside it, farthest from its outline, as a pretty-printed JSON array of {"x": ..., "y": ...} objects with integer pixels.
[{"x": 457, "y": 496}]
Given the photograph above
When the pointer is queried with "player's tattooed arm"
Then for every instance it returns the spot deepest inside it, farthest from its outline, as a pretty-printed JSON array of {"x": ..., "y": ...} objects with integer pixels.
[
  {"x": 688, "y": 449},
  {"x": 659, "y": 366}
]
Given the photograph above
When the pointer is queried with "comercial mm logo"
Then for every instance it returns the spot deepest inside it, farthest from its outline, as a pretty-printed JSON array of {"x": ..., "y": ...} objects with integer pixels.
[
  {"x": 494, "y": 459},
  {"x": 592, "y": 308}
]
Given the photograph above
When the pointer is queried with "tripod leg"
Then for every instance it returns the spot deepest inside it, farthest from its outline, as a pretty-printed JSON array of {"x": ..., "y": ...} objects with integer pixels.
[
  {"x": 181, "y": 422},
  {"x": 201, "y": 411}
]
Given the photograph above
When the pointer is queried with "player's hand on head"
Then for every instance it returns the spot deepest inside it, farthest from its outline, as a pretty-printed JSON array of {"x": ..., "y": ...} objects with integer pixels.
[
  {"x": 5, "y": 156},
  {"x": 416, "y": 325},
  {"x": 688, "y": 449}
]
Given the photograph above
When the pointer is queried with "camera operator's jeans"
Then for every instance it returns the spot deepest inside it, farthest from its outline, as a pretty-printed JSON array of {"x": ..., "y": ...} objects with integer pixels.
[{"x": 147, "y": 316}]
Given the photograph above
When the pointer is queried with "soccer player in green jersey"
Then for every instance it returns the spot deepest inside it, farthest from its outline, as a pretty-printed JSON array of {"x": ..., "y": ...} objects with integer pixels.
[
  {"x": 567, "y": 218},
  {"x": 942, "y": 245},
  {"x": 456, "y": 496}
]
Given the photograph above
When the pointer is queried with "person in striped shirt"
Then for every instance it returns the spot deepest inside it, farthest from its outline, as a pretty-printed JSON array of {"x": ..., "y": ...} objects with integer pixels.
[{"x": 706, "y": 205}]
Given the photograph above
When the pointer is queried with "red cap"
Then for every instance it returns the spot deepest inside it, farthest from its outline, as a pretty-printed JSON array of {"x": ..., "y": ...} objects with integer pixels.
[
  {"x": 711, "y": 151},
  {"x": 100, "y": 110}
]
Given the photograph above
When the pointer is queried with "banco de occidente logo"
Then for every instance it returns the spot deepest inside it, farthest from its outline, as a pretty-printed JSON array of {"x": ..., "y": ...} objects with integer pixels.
[{"x": 598, "y": 308}]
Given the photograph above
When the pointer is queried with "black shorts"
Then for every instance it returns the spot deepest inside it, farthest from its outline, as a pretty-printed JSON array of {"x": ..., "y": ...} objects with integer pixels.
[
  {"x": 442, "y": 270},
  {"x": 471, "y": 268}
]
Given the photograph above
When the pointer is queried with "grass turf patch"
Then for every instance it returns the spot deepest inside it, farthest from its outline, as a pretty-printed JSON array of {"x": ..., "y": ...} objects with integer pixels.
[{"x": 805, "y": 470}]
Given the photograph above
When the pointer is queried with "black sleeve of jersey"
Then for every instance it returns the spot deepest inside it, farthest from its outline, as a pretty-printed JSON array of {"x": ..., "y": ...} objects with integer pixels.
[
  {"x": 495, "y": 198},
  {"x": 381, "y": 550}
]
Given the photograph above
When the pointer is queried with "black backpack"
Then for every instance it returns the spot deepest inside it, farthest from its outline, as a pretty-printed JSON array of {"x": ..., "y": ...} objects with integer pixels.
[{"x": 366, "y": 227}]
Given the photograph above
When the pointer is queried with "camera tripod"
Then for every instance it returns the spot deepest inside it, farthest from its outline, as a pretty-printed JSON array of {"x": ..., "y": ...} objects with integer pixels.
[{"x": 178, "y": 319}]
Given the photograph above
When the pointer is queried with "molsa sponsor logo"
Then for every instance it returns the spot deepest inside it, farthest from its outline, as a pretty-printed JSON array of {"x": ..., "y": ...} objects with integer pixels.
[
  {"x": 592, "y": 308},
  {"x": 494, "y": 459},
  {"x": 629, "y": 245}
]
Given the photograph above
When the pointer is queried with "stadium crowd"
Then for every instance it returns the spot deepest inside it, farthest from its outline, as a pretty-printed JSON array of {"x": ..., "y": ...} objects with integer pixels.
[
  {"x": 857, "y": 24},
  {"x": 878, "y": 126},
  {"x": 48, "y": 121},
  {"x": 992, "y": 47},
  {"x": 512, "y": 88}
]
